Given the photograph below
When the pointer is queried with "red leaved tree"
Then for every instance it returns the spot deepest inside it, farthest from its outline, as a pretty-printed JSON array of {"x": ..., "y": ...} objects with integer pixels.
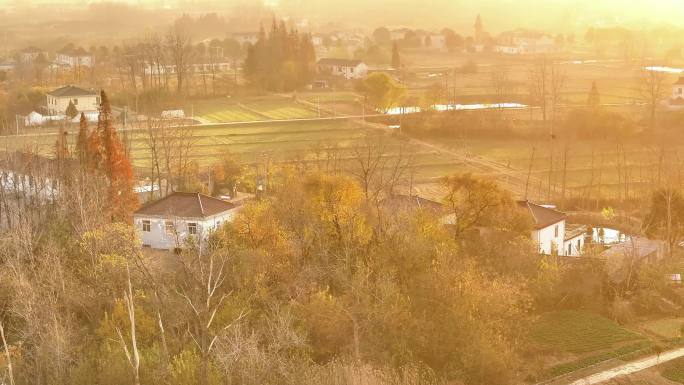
[{"x": 116, "y": 165}]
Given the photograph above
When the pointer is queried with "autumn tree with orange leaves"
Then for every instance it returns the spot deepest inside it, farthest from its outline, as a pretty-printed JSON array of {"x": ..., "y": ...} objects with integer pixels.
[{"x": 115, "y": 164}]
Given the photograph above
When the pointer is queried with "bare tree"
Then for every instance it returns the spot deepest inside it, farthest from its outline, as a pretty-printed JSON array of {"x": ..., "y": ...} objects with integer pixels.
[
  {"x": 132, "y": 354},
  {"x": 180, "y": 50},
  {"x": 652, "y": 89},
  {"x": 8, "y": 356},
  {"x": 205, "y": 288}
]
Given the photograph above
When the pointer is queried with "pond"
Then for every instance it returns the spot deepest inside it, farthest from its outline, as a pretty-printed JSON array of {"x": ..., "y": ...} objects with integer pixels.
[
  {"x": 456, "y": 107},
  {"x": 608, "y": 236}
]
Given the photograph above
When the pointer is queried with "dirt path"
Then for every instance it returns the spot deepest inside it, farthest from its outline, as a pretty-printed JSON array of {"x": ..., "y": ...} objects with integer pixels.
[{"x": 630, "y": 368}]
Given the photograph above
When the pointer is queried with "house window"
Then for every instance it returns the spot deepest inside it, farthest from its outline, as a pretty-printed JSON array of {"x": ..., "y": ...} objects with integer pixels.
[
  {"x": 170, "y": 227},
  {"x": 146, "y": 226},
  {"x": 579, "y": 245},
  {"x": 75, "y": 102},
  {"x": 192, "y": 228},
  {"x": 555, "y": 231}
]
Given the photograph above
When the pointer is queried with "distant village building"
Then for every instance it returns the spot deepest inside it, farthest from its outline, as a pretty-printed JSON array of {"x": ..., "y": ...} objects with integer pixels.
[
  {"x": 678, "y": 93},
  {"x": 435, "y": 41},
  {"x": 524, "y": 42},
  {"x": 7, "y": 65},
  {"x": 551, "y": 233},
  {"x": 170, "y": 221},
  {"x": 73, "y": 58},
  {"x": 30, "y": 54},
  {"x": 219, "y": 67},
  {"x": 399, "y": 34},
  {"x": 58, "y": 100},
  {"x": 246, "y": 37},
  {"x": 349, "y": 69},
  {"x": 173, "y": 114}
]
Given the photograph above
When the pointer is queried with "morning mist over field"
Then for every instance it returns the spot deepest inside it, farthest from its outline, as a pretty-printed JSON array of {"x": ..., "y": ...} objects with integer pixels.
[{"x": 315, "y": 192}]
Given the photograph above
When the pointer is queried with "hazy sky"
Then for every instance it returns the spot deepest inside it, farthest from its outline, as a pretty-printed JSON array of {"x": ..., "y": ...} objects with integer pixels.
[{"x": 499, "y": 15}]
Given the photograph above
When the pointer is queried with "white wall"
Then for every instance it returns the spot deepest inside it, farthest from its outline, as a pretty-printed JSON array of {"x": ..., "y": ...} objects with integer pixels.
[
  {"x": 159, "y": 238},
  {"x": 58, "y": 105},
  {"x": 573, "y": 247},
  {"x": 547, "y": 240}
]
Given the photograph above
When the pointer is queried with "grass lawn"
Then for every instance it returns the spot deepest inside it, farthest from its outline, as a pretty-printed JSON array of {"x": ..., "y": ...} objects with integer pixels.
[{"x": 579, "y": 332}]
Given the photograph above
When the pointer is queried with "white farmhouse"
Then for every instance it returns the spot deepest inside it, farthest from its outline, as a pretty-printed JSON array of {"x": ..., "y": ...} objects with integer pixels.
[
  {"x": 167, "y": 223},
  {"x": 551, "y": 233},
  {"x": 524, "y": 42},
  {"x": 75, "y": 58},
  {"x": 84, "y": 100},
  {"x": 349, "y": 69},
  {"x": 678, "y": 92}
]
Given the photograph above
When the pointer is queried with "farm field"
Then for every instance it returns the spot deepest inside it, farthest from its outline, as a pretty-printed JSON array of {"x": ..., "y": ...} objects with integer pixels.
[
  {"x": 305, "y": 142},
  {"x": 637, "y": 160},
  {"x": 673, "y": 370},
  {"x": 617, "y": 81},
  {"x": 579, "y": 332},
  {"x": 224, "y": 110},
  {"x": 666, "y": 328}
]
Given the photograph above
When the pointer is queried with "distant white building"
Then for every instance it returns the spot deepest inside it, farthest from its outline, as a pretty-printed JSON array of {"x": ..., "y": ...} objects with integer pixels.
[
  {"x": 678, "y": 92},
  {"x": 246, "y": 37},
  {"x": 524, "y": 42},
  {"x": 168, "y": 222},
  {"x": 75, "y": 58},
  {"x": 349, "y": 69},
  {"x": 84, "y": 100},
  {"x": 30, "y": 54},
  {"x": 435, "y": 41},
  {"x": 551, "y": 233}
]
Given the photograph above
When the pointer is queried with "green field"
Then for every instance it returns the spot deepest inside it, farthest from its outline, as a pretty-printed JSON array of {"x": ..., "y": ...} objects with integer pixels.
[
  {"x": 225, "y": 110},
  {"x": 312, "y": 143},
  {"x": 579, "y": 332},
  {"x": 281, "y": 111}
]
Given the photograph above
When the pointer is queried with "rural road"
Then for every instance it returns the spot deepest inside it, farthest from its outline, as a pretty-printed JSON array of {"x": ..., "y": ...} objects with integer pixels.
[{"x": 632, "y": 367}]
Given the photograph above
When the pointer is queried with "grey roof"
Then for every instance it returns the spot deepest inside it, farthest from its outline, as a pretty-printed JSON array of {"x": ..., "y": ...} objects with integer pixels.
[
  {"x": 413, "y": 201},
  {"x": 339, "y": 62},
  {"x": 186, "y": 205},
  {"x": 542, "y": 216},
  {"x": 72, "y": 91}
]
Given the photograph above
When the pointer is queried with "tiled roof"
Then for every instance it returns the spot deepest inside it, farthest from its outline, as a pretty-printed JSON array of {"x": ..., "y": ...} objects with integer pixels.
[
  {"x": 186, "y": 205},
  {"x": 72, "y": 91},
  {"x": 542, "y": 216}
]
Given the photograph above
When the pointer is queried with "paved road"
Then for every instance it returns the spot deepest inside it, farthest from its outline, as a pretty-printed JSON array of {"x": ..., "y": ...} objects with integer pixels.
[{"x": 632, "y": 367}]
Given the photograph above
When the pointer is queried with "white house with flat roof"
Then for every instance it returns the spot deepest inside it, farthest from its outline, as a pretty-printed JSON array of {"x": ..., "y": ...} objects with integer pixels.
[
  {"x": 73, "y": 58},
  {"x": 84, "y": 100},
  {"x": 168, "y": 222},
  {"x": 551, "y": 232},
  {"x": 348, "y": 69}
]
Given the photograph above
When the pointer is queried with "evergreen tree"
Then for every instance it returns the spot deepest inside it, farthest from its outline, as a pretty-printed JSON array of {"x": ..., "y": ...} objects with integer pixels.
[
  {"x": 282, "y": 60},
  {"x": 71, "y": 110},
  {"x": 82, "y": 140},
  {"x": 396, "y": 59},
  {"x": 594, "y": 100}
]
